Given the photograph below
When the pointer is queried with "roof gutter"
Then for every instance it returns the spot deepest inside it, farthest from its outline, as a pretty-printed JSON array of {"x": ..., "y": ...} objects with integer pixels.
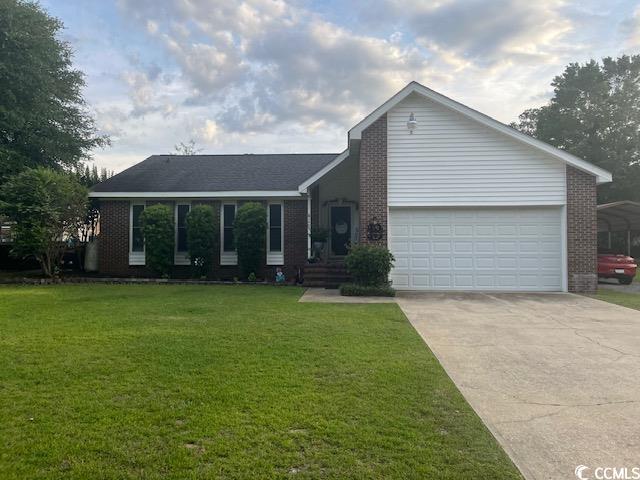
[{"x": 224, "y": 194}]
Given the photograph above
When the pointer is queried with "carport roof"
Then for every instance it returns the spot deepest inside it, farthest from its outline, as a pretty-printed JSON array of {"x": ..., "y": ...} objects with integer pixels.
[{"x": 619, "y": 216}]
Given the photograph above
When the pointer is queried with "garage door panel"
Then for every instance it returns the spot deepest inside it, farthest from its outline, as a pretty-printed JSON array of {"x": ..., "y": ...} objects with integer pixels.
[{"x": 484, "y": 248}]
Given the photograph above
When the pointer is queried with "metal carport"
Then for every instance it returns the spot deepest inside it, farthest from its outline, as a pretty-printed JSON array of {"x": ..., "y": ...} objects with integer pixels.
[{"x": 623, "y": 216}]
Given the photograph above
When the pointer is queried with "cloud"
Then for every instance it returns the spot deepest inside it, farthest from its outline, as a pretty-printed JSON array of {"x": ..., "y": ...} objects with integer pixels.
[
  {"x": 276, "y": 75},
  {"x": 630, "y": 29},
  {"x": 265, "y": 62},
  {"x": 487, "y": 32}
]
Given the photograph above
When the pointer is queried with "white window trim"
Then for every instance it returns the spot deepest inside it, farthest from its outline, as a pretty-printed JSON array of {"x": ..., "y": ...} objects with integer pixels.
[
  {"x": 226, "y": 258},
  {"x": 135, "y": 258},
  {"x": 179, "y": 258},
  {"x": 275, "y": 258}
]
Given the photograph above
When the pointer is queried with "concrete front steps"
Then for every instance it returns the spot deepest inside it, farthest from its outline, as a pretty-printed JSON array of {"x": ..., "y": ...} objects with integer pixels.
[{"x": 327, "y": 275}]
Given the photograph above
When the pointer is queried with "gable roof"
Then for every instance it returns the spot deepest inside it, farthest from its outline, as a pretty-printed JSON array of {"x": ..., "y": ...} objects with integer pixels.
[
  {"x": 602, "y": 176},
  {"x": 206, "y": 175}
]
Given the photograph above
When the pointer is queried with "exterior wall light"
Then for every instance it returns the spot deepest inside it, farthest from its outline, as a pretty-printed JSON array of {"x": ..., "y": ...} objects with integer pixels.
[{"x": 412, "y": 124}]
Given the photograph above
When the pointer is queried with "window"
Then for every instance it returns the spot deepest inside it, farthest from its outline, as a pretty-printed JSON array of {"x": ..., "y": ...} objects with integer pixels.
[
  {"x": 137, "y": 239},
  {"x": 275, "y": 227},
  {"x": 275, "y": 231},
  {"x": 181, "y": 227},
  {"x": 228, "y": 217},
  {"x": 228, "y": 255}
]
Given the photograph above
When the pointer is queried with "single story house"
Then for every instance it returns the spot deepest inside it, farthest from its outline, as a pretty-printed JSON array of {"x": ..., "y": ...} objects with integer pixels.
[{"x": 463, "y": 201}]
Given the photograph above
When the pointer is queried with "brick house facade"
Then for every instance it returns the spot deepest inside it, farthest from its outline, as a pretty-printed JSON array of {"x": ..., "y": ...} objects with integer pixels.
[
  {"x": 546, "y": 223},
  {"x": 373, "y": 180}
]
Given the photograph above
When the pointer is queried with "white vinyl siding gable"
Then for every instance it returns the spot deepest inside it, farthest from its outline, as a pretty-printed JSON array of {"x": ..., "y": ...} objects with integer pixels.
[{"x": 451, "y": 160}]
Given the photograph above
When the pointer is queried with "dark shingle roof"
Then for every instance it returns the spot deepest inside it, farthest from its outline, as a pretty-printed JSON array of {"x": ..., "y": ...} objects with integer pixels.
[{"x": 217, "y": 173}]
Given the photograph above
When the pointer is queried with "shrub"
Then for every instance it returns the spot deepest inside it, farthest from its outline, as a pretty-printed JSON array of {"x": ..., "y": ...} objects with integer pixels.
[
  {"x": 369, "y": 265},
  {"x": 48, "y": 207},
  {"x": 249, "y": 232},
  {"x": 158, "y": 231},
  {"x": 353, "y": 290},
  {"x": 202, "y": 239},
  {"x": 252, "y": 277}
]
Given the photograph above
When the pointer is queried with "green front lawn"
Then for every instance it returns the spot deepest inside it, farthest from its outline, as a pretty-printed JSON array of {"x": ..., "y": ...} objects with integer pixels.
[
  {"x": 626, "y": 299},
  {"x": 193, "y": 382}
]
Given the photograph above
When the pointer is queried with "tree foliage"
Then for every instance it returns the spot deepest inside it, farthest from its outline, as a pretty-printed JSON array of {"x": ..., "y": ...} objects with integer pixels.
[
  {"x": 187, "y": 148},
  {"x": 159, "y": 241},
  {"x": 91, "y": 176},
  {"x": 595, "y": 115},
  {"x": 249, "y": 231},
  {"x": 202, "y": 239},
  {"x": 48, "y": 207},
  {"x": 43, "y": 118}
]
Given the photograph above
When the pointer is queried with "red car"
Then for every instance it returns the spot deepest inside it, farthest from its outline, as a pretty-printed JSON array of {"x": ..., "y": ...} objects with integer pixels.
[{"x": 622, "y": 267}]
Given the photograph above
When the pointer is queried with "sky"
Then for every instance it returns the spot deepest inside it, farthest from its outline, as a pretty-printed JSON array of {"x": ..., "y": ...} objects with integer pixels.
[{"x": 274, "y": 76}]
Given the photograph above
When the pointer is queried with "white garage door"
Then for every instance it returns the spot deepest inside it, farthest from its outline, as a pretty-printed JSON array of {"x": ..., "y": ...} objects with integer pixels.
[{"x": 476, "y": 249}]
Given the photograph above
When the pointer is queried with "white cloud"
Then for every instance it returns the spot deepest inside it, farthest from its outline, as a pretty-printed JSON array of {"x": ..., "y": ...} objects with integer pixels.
[
  {"x": 271, "y": 75},
  {"x": 631, "y": 30}
]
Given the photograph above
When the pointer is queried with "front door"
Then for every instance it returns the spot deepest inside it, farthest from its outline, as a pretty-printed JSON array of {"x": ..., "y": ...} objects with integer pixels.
[{"x": 340, "y": 230}]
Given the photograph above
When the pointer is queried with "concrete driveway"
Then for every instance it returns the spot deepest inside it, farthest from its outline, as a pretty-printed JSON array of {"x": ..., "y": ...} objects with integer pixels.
[{"x": 555, "y": 377}]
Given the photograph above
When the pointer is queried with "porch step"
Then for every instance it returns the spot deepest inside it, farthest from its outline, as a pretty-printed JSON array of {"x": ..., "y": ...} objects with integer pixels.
[{"x": 327, "y": 275}]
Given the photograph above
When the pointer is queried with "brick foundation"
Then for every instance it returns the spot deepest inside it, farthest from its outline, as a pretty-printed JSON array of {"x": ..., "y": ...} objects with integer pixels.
[
  {"x": 373, "y": 179},
  {"x": 582, "y": 231}
]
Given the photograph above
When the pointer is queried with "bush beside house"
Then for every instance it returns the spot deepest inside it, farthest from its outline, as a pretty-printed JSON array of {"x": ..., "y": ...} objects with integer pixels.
[
  {"x": 250, "y": 230},
  {"x": 369, "y": 266},
  {"x": 202, "y": 239},
  {"x": 49, "y": 208},
  {"x": 159, "y": 241}
]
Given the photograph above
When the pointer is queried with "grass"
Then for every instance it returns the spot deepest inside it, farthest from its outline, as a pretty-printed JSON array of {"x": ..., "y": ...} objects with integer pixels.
[
  {"x": 619, "y": 297},
  {"x": 197, "y": 382}
]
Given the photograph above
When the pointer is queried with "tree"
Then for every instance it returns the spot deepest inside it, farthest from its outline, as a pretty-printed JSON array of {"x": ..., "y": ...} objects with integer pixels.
[
  {"x": 249, "y": 232},
  {"x": 202, "y": 239},
  {"x": 189, "y": 148},
  {"x": 595, "y": 115},
  {"x": 159, "y": 241},
  {"x": 48, "y": 208},
  {"x": 43, "y": 117},
  {"x": 90, "y": 176}
]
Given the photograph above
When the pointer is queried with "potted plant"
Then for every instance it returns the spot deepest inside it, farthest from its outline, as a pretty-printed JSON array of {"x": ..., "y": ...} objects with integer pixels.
[{"x": 319, "y": 237}]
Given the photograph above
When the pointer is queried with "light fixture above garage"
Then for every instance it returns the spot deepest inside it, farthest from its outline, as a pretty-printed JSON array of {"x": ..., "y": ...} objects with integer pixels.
[{"x": 412, "y": 124}]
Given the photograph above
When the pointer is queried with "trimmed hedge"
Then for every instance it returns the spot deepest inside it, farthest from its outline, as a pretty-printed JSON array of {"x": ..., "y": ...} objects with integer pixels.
[
  {"x": 250, "y": 234},
  {"x": 353, "y": 290},
  {"x": 369, "y": 264},
  {"x": 202, "y": 239},
  {"x": 159, "y": 240}
]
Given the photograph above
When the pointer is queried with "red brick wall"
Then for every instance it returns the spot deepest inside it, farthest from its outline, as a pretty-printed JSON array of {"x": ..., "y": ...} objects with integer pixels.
[
  {"x": 113, "y": 246},
  {"x": 113, "y": 243},
  {"x": 582, "y": 231},
  {"x": 373, "y": 179},
  {"x": 295, "y": 236}
]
